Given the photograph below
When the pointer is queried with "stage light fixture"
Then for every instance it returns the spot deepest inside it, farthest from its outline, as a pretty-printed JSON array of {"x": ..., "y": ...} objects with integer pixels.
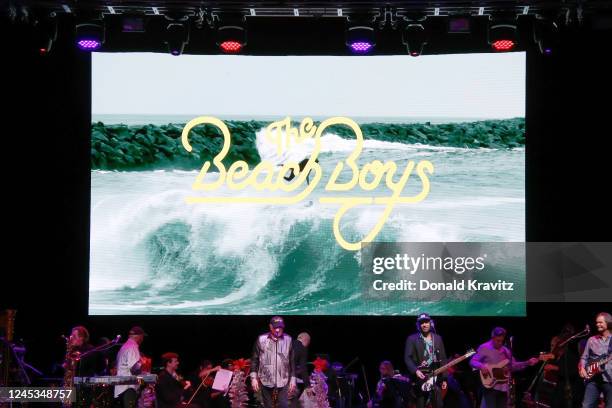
[
  {"x": 177, "y": 35},
  {"x": 502, "y": 36},
  {"x": 459, "y": 25},
  {"x": 45, "y": 34},
  {"x": 360, "y": 39},
  {"x": 546, "y": 35},
  {"x": 90, "y": 35},
  {"x": 133, "y": 24},
  {"x": 231, "y": 39},
  {"x": 414, "y": 38}
]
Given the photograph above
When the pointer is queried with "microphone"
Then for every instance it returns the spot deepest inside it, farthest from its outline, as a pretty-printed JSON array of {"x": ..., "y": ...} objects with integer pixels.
[
  {"x": 587, "y": 329},
  {"x": 117, "y": 338}
]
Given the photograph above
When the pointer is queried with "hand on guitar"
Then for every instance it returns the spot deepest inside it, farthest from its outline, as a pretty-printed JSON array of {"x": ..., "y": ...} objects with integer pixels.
[
  {"x": 420, "y": 375},
  {"x": 485, "y": 370},
  {"x": 582, "y": 372},
  {"x": 444, "y": 385}
]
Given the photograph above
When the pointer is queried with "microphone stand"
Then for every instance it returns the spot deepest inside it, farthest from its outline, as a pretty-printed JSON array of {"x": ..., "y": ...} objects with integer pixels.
[
  {"x": 102, "y": 347},
  {"x": 559, "y": 346}
]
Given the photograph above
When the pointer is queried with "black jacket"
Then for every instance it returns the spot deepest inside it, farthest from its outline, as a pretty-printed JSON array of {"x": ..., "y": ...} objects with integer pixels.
[
  {"x": 300, "y": 357},
  {"x": 414, "y": 352},
  {"x": 168, "y": 391}
]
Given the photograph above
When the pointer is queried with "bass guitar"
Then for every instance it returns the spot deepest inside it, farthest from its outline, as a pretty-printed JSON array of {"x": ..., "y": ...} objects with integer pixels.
[{"x": 499, "y": 373}]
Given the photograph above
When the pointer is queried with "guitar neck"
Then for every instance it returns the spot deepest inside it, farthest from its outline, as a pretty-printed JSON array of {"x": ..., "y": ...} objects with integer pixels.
[
  {"x": 450, "y": 364},
  {"x": 602, "y": 362}
]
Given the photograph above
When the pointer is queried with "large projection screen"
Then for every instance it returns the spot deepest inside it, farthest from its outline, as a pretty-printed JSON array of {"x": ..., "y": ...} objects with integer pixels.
[{"x": 171, "y": 233}]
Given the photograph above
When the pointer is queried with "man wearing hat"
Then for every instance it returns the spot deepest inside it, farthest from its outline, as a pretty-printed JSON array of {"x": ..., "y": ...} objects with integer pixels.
[
  {"x": 272, "y": 365},
  {"x": 424, "y": 353},
  {"x": 129, "y": 363}
]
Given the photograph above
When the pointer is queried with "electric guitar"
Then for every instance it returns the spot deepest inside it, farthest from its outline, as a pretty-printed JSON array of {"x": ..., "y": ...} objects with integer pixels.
[
  {"x": 500, "y": 372},
  {"x": 596, "y": 367},
  {"x": 428, "y": 383}
]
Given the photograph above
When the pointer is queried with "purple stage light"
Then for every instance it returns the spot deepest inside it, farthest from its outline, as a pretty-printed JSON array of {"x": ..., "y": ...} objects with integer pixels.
[
  {"x": 361, "y": 46},
  {"x": 88, "y": 44},
  {"x": 90, "y": 35}
]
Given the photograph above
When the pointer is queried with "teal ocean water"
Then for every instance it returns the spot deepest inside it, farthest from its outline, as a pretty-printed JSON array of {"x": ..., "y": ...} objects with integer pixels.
[{"x": 152, "y": 253}]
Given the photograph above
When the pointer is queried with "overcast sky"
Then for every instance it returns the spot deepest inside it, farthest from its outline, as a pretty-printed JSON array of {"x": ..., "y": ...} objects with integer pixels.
[{"x": 460, "y": 85}]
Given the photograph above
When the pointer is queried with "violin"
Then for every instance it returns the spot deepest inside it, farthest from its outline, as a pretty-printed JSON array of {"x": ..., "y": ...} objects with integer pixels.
[
  {"x": 185, "y": 383},
  {"x": 207, "y": 376}
]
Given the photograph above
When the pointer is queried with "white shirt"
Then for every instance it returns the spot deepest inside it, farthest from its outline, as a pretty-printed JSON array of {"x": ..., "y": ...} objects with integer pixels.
[{"x": 126, "y": 358}]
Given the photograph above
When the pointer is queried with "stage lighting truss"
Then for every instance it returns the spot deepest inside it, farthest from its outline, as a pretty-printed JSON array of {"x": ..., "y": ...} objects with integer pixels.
[
  {"x": 90, "y": 34},
  {"x": 177, "y": 34},
  {"x": 366, "y": 21}
]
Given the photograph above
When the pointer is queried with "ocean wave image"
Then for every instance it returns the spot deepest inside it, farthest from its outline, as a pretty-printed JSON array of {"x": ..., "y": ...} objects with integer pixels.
[{"x": 153, "y": 253}]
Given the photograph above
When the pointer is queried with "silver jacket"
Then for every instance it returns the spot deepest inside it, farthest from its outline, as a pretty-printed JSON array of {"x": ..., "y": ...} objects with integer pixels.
[{"x": 272, "y": 361}]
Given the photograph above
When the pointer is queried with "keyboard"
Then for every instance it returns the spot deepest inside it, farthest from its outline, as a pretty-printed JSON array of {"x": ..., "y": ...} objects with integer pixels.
[{"x": 117, "y": 379}]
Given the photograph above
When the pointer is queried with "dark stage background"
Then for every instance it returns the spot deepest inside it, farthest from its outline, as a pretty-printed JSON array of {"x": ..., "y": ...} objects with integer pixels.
[{"x": 45, "y": 145}]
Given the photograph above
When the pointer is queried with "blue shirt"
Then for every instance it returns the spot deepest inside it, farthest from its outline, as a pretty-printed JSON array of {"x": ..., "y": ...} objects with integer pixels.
[{"x": 598, "y": 347}]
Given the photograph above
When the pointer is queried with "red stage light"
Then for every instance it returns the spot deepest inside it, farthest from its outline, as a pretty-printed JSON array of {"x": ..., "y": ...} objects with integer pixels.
[
  {"x": 503, "y": 45},
  {"x": 231, "y": 46}
]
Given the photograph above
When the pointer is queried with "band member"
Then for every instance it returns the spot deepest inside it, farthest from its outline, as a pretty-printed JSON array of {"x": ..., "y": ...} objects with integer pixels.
[
  {"x": 129, "y": 363},
  {"x": 598, "y": 347},
  {"x": 84, "y": 360},
  {"x": 560, "y": 385},
  {"x": 204, "y": 396},
  {"x": 491, "y": 353},
  {"x": 272, "y": 365},
  {"x": 147, "y": 394},
  {"x": 171, "y": 388},
  {"x": 79, "y": 342},
  {"x": 389, "y": 393},
  {"x": 300, "y": 358},
  {"x": 424, "y": 352}
]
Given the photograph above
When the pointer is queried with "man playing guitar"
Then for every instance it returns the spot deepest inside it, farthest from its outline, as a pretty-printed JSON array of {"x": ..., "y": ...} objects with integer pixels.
[
  {"x": 595, "y": 366},
  {"x": 423, "y": 353},
  {"x": 491, "y": 354}
]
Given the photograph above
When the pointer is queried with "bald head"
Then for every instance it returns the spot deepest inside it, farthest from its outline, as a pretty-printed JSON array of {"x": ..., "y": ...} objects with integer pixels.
[{"x": 304, "y": 338}]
